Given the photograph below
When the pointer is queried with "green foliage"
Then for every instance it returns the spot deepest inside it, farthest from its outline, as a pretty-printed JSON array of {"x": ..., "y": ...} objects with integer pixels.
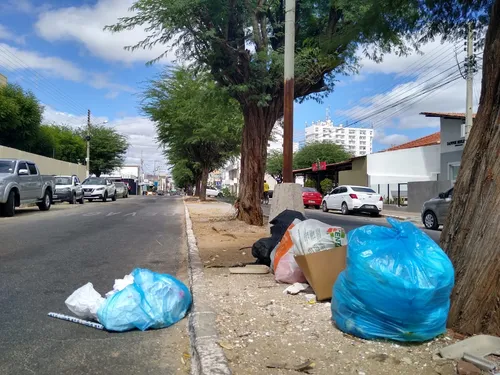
[
  {"x": 322, "y": 151},
  {"x": 20, "y": 117},
  {"x": 227, "y": 193},
  {"x": 61, "y": 142},
  {"x": 326, "y": 185},
  {"x": 274, "y": 164},
  {"x": 182, "y": 175},
  {"x": 107, "y": 149},
  {"x": 197, "y": 122},
  {"x": 310, "y": 183}
]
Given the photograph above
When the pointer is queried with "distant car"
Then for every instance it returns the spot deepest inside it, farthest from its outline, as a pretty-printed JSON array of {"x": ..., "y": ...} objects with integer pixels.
[
  {"x": 435, "y": 210},
  {"x": 161, "y": 192},
  {"x": 311, "y": 197},
  {"x": 213, "y": 192},
  {"x": 99, "y": 188},
  {"x": 68, "y": 189},
  {"x": 121, "y": 189},
  {"x": 349, "y": 199}
]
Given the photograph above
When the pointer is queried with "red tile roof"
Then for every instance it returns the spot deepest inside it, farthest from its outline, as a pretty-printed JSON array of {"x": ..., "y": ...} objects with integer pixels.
[
  {"x": 451, "y": 115},
  {"x": 428, "y": 140}
]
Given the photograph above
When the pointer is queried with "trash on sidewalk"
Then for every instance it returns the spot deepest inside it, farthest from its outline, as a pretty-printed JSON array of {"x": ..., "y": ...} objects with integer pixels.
[
  {"x": 250, "y": 269},
  {"x": 396, "y": 285},
  {"x": 473, "y": 350},
  {"x": 262, "y": 248},
  {"x": 320, "y": 252},
  {"x": 296, "y": 288},
  {"x": 84, "y": 302},
  {"x": 303, "y": 367},
  {"x": 143, "y": 300},
  {"x": 286, "y": 269},
  {"x": 76, "y": 320}
]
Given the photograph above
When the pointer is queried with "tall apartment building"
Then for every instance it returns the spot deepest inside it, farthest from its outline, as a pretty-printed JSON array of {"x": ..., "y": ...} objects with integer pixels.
[{"x": 358, "y": 141}]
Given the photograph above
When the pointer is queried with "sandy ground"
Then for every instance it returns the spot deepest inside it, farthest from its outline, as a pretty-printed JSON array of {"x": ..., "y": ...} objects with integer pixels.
[{"x": 264, "y": 331}]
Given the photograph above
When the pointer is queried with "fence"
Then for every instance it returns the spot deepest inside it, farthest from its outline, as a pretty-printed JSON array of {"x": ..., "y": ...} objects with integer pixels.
[
  {"x": 394, "y": 194},
  {"x": 46, "y": 165}
]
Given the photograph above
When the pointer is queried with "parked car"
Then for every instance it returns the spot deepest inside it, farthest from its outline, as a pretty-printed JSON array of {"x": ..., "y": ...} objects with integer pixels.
[
  {"x": 22, "y": 183},
  {"x": 213, "y": 192},
  {"x": 121, "y": 189},
  {"x": 68, "y": 189},
  {"x": 311, "y": 197},
  {"x": 349, "y": 199},
  {"x": 99, "y": 188},
  {"x": 435, "y": 211}
]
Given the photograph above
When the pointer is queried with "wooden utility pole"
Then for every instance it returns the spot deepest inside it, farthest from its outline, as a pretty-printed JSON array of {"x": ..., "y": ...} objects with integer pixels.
[{"x": 289, "y": 90}]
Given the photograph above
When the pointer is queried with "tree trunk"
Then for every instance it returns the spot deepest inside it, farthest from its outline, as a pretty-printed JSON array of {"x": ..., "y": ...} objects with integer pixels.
[
  {"x": 197, "y": 187},
  {"x": 259, "y": 122},
  {"x": 203, "y": 184},
  {"x": 471, "y": 236}
]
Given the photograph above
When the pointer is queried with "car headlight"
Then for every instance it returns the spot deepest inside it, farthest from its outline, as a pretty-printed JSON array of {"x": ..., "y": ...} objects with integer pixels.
[
  {"x": 65, "y": 189},
  {"x": 100, "y": 188}
]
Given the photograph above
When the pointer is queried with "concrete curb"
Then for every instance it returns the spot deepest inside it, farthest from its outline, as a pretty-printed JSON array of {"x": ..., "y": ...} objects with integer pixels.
[
  {"x": 207, "y": 357},
  {"x": 404, "y": 218}
]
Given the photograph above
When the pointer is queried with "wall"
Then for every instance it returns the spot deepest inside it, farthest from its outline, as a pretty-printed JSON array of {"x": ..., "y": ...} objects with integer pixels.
[
  {"x": 421, "y": 191},
  {"x": 452, "y": 146},
  {"x": 46, "y": 165},
  {"x": 356, "y": 176},
  {"x": 400, "y": 166}
]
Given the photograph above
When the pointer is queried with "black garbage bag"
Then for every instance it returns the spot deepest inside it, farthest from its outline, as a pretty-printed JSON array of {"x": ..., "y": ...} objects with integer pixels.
[{"x": 262, "y": 248}]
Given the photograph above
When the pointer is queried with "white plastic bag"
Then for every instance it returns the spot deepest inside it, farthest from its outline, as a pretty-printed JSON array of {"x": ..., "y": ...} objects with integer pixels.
[
  {"x": 288, "y": 271},
  {"x": 84, "y": 302},
  {"x": 311, "y": 236},
  {"x": 120, "y": 284}
]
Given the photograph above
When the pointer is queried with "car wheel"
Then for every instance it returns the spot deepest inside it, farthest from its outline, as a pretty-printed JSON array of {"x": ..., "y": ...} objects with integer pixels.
[
  {"x": 114, "y": 197},
  {"x": 430, "y": 220},
  {"x": 8, "y": 209},
  {"x": 81, "y": 200},
  {"x": 73, "y": 199},
  {"x": 344, "y": 209},
  {"x": 105, "y": 197},
  {"x": 374, "y": 214},
  {"x": 317, "y": 207},
  {"x": 44, "y": 205},
  {"x": 91, "y": 200},
  {"x": 324, "y": 207}
]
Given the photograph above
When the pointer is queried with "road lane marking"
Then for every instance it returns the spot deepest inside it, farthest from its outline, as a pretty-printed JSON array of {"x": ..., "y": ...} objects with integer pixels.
[
  {"x": 132, "y": 213},
  {"x": 113, "y": 213},
  {"x": 92, "y": 213}
]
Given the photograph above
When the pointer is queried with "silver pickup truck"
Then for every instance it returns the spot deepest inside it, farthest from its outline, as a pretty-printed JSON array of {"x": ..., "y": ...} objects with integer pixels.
[{"x": 22, "y": 183}]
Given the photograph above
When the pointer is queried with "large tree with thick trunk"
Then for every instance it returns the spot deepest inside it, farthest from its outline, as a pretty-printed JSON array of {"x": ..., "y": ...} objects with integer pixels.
[
  {"x": 471, "y": 235},
  {"x": 241, "y": 42}
]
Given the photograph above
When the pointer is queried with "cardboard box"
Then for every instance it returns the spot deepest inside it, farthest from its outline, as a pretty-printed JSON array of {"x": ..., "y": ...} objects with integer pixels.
[{"x": 321, "y": 269}]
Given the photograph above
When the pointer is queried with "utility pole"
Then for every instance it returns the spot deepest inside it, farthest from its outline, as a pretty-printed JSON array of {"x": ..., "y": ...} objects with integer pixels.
[
  {"x": 88, "y": 143},
  {"x": 470, "y": 74},
  {"x": 289, "y": 90}
]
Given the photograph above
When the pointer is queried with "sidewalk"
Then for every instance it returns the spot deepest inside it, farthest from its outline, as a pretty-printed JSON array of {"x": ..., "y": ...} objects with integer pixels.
[{"x": 264, "y": 331}]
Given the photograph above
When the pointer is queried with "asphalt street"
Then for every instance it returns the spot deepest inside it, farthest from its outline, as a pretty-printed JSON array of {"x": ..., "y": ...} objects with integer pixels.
[
  {"x": 45, "y": 256},
  {"x": 353, "y": 221}
]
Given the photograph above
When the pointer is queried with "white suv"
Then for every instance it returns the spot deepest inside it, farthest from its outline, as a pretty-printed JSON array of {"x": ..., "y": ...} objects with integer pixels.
[
  {"x": 349, "y": 199},
  {"x": 99, "y": 188}
]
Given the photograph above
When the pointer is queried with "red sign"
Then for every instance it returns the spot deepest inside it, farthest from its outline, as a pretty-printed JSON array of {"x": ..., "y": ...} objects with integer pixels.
[{"x": 322, "y": 166}]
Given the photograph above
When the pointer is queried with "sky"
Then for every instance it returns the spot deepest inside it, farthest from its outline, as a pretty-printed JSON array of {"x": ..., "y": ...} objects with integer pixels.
[{"x": 58, "y": 50}]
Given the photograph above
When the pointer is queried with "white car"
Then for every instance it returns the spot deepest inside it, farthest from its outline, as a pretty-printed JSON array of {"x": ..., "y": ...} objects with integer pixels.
[
  {"x": 349, "y": 199},
  {"x": 213, "y": 192},
  {"x": 99, "y": 188}
]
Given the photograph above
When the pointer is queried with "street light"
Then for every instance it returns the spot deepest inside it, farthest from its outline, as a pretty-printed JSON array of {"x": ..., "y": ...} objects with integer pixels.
[{"x": 87, "y": 138}]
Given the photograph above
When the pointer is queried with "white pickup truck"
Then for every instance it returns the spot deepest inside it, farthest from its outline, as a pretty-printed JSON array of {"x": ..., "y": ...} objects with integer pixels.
[{"x": 22, "y": 183}]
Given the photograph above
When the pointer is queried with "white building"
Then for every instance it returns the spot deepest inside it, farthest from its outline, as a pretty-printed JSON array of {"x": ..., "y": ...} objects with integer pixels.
[{"x": 358, "y": 141}]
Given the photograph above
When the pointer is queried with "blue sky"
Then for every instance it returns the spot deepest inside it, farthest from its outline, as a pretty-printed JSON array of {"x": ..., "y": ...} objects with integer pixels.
[{"x": 58, "y": 50}]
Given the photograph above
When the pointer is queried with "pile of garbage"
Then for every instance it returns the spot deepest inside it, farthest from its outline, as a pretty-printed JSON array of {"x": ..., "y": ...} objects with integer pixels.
[
  {"x": 142, "y": 300},
  {"x": 390, "y": 283}
]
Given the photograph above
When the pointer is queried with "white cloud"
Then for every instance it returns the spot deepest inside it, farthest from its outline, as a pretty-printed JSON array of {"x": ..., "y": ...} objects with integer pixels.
[
  {"x": 391, "y": 139},
  {"x": 84, "y": 24},
  {"x": 6, "y": 34},
  {"x": 22, "y": 6},
  {"x": 399, "y": 103},
  {"x": 15, "y": 59},
  {"x": 140, "y": 132}
]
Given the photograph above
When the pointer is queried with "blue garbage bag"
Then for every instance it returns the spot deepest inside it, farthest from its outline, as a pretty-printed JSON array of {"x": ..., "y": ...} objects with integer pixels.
[
  {"x": 396, "y": 285},
  {"x": 152, "y": 301}
]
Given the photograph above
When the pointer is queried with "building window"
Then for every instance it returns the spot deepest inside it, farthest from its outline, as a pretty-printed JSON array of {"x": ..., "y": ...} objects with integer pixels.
[
  {"x": 363, "y": 143},
  {"x": 362, "y": 132},
  {"x": 453, "y": 171}
]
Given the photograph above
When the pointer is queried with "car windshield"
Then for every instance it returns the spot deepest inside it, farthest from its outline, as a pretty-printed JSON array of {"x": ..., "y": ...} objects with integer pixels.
[
  {"x": 63, "y": 180},
  {"x": 309, "y": 190},
  {"x": 363, "y": 189},
  {"x": 94, "y": 181},
  {"x": 7, "y": 166}
]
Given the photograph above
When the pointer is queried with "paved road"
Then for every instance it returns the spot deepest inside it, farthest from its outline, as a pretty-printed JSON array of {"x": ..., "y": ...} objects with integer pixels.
[
  {"x": 351, "y": 222},
  {"x": 45, "y": 256}
]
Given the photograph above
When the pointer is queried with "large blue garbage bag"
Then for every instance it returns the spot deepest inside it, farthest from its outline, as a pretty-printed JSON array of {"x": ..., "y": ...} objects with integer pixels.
[
  {"x": 152, "y": 301},
  {"x": 396, "y": 285}
]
